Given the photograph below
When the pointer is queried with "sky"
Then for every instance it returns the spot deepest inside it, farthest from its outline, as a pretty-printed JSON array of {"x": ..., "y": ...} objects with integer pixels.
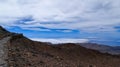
[{"x": 96, "y": 21}]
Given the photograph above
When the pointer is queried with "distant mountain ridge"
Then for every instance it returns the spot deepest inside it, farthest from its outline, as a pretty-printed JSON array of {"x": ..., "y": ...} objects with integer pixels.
[
  {"x": 115, "y": 50},
  {"x": 19, "y": 51}
]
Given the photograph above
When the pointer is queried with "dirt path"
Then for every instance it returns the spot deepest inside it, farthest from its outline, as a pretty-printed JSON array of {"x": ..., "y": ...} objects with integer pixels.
[{"x": 3, "y": 51}]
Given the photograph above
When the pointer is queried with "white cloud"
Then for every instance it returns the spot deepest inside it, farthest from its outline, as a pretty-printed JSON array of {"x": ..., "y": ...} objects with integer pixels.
[
  {"x": 64, "y": 30},
  {"x": 86, "y": 15},
  {"x": 36, "y": 29},
  {"x": 55, "y": 41}
]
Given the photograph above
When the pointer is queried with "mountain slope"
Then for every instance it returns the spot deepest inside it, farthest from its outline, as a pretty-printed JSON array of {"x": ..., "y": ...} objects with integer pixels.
[
  {"x": 23, "y": 52},
  {"x": 115, "y": 50},
  {"x": 3, "y": 32}
]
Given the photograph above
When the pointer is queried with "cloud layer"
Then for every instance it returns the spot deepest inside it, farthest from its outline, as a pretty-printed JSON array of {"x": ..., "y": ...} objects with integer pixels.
[
  {"x": 83, "y": 15},
  {"x": 56, "y": 41}
]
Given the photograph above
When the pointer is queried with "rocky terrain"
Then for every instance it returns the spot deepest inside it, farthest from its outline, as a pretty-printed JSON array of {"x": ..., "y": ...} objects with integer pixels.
[
  {"x": 115, "y": 50},
  {"x": 18, "y": 51}
]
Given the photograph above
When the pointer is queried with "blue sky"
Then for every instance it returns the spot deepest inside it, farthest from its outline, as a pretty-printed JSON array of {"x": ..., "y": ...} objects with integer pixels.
[{"x": 77, "y": 21}]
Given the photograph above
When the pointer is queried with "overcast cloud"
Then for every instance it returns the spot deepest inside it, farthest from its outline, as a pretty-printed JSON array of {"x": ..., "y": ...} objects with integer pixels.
[{"x": 85, "y": 15}]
